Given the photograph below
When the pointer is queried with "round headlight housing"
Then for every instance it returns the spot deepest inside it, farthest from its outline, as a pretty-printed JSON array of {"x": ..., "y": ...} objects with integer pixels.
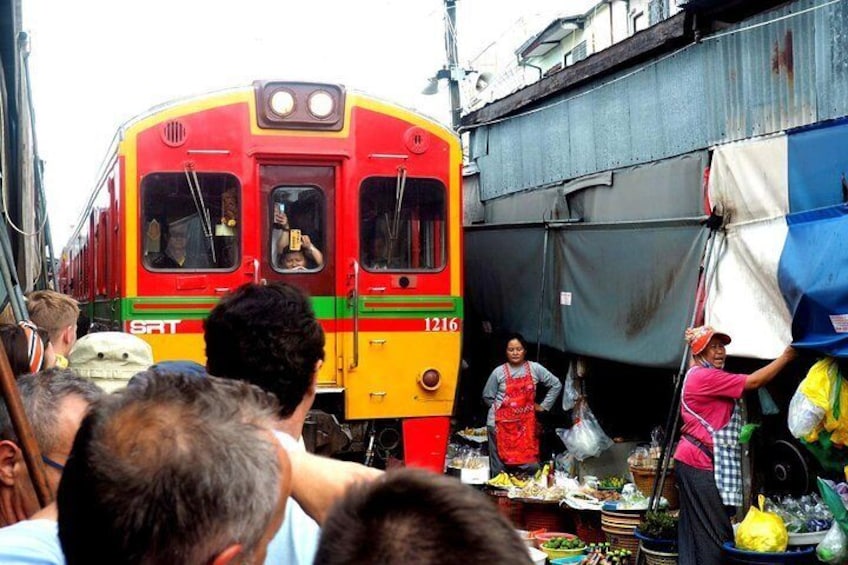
[
  {"x": 282, "y": 103},
  {"x": 321, "y": 104}
]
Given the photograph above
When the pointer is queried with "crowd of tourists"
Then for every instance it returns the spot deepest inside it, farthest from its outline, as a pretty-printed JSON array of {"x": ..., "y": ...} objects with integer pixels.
[{"x": 166, "y": 463}]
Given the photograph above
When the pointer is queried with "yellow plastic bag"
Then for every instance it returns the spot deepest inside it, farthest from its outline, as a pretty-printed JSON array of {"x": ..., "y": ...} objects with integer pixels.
[
  {"x": 820, "y": 388},
  {"x": 762, "y": 531}
]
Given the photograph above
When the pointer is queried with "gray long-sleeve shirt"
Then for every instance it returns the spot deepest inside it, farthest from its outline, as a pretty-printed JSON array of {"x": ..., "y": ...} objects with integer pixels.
[{"x": 493, "y": 392}]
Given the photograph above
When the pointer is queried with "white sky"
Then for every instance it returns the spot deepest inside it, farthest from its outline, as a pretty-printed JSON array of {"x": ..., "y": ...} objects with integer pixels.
[{"x": 96, "y": 63}]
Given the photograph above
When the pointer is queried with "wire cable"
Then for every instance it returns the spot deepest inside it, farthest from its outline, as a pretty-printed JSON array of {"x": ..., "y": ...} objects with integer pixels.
[{"x": 31, "y": 133}]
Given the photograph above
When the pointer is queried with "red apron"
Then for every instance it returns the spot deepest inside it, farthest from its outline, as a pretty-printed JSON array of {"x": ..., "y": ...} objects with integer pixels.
[{"x": 515, "y": 420}]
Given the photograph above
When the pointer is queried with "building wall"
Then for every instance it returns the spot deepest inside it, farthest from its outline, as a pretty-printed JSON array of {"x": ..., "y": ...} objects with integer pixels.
[
  {"x": 606, "y": 24},
  {"x": 758, "y": 77},
  {"x": 500, "y": 59}
]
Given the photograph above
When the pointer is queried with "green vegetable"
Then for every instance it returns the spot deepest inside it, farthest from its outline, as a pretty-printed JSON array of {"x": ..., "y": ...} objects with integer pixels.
[{"x": 659, "y": 525}]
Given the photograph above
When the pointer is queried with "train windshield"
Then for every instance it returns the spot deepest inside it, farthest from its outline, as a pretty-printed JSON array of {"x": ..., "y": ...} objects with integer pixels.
[
  {"x": 190, "y": 220},
  {"x": 402, "y": 222}
]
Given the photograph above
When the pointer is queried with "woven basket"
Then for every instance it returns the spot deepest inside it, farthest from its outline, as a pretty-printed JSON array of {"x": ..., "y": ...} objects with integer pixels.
[
  {"x": 644, "y": 479},
  {"x": 619, "y": 540},
  {"x": 657, "y": 557}
]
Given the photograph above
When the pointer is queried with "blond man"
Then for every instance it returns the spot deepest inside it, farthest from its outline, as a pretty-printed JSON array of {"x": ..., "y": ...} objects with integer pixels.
[{"x": 57, "y": 313}]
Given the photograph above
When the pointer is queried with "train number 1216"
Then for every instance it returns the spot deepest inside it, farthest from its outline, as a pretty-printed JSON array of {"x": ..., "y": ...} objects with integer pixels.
[{"x": 441, "y": 324}]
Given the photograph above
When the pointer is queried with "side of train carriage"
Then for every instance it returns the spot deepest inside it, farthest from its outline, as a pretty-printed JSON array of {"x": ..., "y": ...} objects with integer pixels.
[{"x": 200, "y": 196}]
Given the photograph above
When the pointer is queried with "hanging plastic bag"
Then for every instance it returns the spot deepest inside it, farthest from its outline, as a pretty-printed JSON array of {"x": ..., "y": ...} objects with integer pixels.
[
  {"x": 824, "y": 388},
  {"x": 585, "y": 438},
  {"x": 762, "y": 531},
  {"x": 834, "y": 547},
  {"x": 804, "y": 416},
  {"x": 569, "y": 390},
  {"x": 767, "y": 403}
]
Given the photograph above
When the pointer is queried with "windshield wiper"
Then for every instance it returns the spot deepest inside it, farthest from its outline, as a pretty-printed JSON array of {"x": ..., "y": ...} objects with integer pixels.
[
  {"x": 200, "y": 206},
  {"x": 394, "y": 228}
]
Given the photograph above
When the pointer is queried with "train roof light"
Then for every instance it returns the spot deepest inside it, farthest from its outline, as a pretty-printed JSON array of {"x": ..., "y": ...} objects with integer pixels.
[
  {"x": 299, "y": 105},
  {"x": 321, "y": 104},
  {"x": 282, "y": 103}
]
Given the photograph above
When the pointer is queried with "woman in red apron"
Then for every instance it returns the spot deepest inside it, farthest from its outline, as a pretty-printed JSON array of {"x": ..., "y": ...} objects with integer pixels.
[
  {"x": 708, "y": 458},
  {"x": 510, "y": 394}
]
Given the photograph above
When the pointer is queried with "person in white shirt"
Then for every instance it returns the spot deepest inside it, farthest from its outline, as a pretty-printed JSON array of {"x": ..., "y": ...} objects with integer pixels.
[{"x": 268, "y": 335}]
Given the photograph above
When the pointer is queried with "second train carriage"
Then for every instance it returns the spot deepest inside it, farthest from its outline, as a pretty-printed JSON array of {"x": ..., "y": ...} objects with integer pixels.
[{"x": 195, "y": 195}]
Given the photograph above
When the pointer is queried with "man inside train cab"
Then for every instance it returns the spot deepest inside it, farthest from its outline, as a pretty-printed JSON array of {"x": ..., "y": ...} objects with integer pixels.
[{"x": 180, "y": 246}]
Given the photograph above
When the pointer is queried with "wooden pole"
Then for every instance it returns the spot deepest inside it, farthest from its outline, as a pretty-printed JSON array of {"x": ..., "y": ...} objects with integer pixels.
[{"x": 26, "y": 439}]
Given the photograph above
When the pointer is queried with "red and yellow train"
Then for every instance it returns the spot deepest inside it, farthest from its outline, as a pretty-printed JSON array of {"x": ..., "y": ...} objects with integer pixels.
[{"x": 195, "y": 196}]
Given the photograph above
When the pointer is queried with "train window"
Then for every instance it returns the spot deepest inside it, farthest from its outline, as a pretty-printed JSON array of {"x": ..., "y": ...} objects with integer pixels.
[
  {"x": 402, "y": 222},
  {"x": 190, "y": 220},
  {"x": 297, "y": 236}
]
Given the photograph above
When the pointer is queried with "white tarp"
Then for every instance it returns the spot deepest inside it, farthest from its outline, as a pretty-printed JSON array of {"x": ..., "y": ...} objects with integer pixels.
[
  {"x": 749, "y": 187},
  {"x": 749, "y": 181}
]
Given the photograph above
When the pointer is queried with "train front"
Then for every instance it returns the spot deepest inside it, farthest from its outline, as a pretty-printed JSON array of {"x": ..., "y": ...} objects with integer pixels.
[{"x": 352, "y": 199}]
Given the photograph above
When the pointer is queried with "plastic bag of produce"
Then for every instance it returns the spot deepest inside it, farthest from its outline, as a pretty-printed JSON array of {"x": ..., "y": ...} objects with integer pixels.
[
  {"x": 585, "y": 438},
  {"x": 823, "y": 387},
  {"x": 834, "y": 547},
  {"x": 762, "y": 531},
  {"x": 804, "y": 415},
  {"x": 767, "y": 403}
]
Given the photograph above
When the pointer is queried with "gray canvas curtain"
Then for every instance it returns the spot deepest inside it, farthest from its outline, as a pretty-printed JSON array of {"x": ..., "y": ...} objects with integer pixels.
[{"x": 618, "y": 284}]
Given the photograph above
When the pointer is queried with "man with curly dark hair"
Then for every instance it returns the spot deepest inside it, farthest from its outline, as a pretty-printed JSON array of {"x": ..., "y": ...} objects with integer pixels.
[{"x": 268, "y": 336}]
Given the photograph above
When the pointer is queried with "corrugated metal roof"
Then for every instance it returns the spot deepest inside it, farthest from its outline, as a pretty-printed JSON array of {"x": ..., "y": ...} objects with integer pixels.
[{"x": 776, "y": 71}]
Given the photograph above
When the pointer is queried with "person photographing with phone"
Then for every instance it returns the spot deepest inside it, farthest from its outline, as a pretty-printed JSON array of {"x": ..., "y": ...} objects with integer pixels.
[{"x": 295, "y": 250}]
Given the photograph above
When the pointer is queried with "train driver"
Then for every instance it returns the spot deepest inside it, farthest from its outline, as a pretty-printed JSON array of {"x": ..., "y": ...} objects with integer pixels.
[{"x": 177, "y": 252}]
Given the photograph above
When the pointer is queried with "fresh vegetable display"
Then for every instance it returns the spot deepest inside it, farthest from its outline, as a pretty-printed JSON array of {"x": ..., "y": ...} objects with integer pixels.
[
  {"x": 612, "y": 483},
  {"x": 604, "y": 554},
  {"x": 801, "y": 515},
  {"x": 564, "y": 543},
  {"x": 659, "y": 525}
]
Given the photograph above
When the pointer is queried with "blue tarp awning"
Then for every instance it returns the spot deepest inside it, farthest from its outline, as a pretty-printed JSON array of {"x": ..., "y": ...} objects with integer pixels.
[{"x": 813, "y": 277}]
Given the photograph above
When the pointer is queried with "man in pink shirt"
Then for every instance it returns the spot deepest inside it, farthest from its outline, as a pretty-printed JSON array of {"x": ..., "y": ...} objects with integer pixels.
[{"x": 708, "y": 464}]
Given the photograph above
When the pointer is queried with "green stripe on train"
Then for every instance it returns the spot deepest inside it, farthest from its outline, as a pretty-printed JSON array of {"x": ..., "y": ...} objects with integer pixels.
[{"x": 325, "y": 307}]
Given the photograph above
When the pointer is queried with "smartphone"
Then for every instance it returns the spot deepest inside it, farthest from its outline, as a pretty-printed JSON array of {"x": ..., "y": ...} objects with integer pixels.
[{"x": 281, "y": 209}]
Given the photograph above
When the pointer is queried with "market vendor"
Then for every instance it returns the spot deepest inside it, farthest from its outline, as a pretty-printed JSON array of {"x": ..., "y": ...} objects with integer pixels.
[
  {"x": 510, "y": 394},
  {"x": 708, "y": 457}
]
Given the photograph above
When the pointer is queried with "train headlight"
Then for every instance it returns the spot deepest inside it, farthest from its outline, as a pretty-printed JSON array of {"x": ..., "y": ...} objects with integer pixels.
[
  {"x": 282, "y": 102},
  {"x": 321, "y": 104},
  {"x": 430, "y": 379},
  {"x": 299, "y": 105}
]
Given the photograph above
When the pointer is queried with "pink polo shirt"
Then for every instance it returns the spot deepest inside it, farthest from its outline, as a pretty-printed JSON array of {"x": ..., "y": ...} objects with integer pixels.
[{"x": 711, "y": 394}]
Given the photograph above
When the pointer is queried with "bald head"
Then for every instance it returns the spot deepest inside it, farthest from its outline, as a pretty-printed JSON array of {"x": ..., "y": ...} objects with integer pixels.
[{"x": 175, "y": 468}]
